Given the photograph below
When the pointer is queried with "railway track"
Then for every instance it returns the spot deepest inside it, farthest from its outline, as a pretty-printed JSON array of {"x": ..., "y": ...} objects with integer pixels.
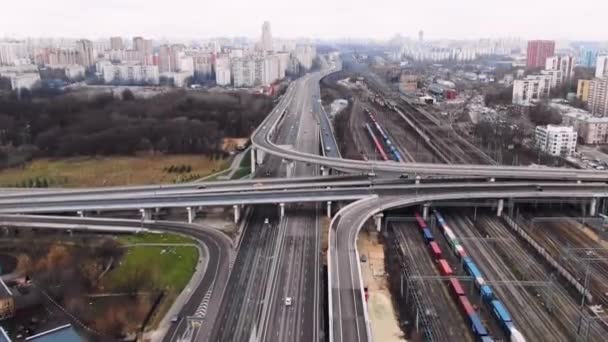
[
  {"x": 447, "y": 323},
  {"x": 528, "y": 312}
]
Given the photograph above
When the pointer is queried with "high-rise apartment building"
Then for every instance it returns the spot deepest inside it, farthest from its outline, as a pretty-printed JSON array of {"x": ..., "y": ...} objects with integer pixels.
[
  {"x": 116, "y": 43},
  {"x": 565, "y": 66},
  {"x": 556, "y": 140},
  {"x": 530, "y": 89},
  {"x": 538, "y": 52},
  {"x": 588, "y": 57},
  {"x": 582, "y": 90},
  {"x": 165, "y": 55},
  {"x": 222, "y": 71},
  {"x": 598, "y": 97},
  {"x": 601, "y": 66},
  {"x": 266, "y": 41},
  {"x": 86, "y": 53},
  {"x": 243, "y": 72}
]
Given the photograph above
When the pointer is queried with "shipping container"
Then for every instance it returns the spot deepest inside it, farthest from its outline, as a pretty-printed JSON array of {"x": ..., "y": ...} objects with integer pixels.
[
  {"x": 486, "y": 293},
  {"x": 456, "y": 287},
  {"x": 466, "y": 306},
  {"x": 444, "y": 268},
  {"x": 428, "y": 236},
  {"x": 486, "y": 339},
  {"x": 500, "y": 311},
  {"x": 462, "y": 254},
  {"x": 420, "y": 221},
  {"x": 435, "y": 250},
  {"x": 479, "y": 330}
]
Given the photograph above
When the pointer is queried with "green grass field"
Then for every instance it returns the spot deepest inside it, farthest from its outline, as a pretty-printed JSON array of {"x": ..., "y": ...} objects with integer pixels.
[
  {"x": 165, "y": 267},
  {"x": 109, "y": 171}
]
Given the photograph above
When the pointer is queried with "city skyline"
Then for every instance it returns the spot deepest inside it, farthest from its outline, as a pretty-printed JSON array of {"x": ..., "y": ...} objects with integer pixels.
[{"x": 336, "y": 20}]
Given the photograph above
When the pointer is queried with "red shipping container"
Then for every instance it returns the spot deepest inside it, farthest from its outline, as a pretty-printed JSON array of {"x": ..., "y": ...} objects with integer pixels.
[
  {"x": 466, "y": 306},
  {"x": 462, "y": 254},
  {"x": 435, "y": 250},
  {"x": 456, "y": 287},
  {"x": 444, "y": 268}
]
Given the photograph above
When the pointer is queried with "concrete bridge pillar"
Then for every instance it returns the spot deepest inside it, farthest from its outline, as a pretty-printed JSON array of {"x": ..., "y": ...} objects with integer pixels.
[
  {"x": 289, "y": 168},
  {"x": 499, "y": 209},
  {"x": 146, "y": 214},
  {"x": 81, "y": 213},
  {"x": 191, "y": 214},
  {"x": 378, "y": 219},
  {"x": 418, "y": 179},
  {"x": 237, "y": 213},
  {"x": 329, "y": 209},
  {"x": 281, "y": 210},
  {"x": 260, "y": 157},
  {"x": 253, "y": 161},
  {"x": 593, "y": 207},
  {"x": 324, "y": 171},
  {"x": 425, "y": 211}
]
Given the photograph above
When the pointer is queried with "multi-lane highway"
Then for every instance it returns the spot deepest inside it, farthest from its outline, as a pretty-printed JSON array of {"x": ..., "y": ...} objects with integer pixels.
[{"x": 348, "y": 315}]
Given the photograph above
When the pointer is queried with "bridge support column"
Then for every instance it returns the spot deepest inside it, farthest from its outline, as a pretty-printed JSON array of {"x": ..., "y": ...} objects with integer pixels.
[
  {"x": 191, "y": 214},
  {"x": 324, "y": 171},
  {"x": 418, "y": 179},
  {"x": 593, "y": 207},
  {"x": 501, "y": 205},
  {"x": 289, "y": 168},
  {"x": 425, "y": 211},
  {"x": 81, "y": 213},
  {"x": 378, "y": 219},
  {"x": 146, "y": 214},
  {"x": 281, "y": 210},
  {"x": 253, "y": 160},
  {"x": 329, "y": 209},
  {"x": 237, "y": 213}
]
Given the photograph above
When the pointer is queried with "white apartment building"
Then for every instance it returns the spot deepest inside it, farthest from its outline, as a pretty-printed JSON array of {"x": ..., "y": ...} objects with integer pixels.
[
  {"x": 128, "y": 73},
  {"x": 562, "y": 68},
  {"x": 601, "y": 66},
  {"x": 222, "y": 71},
  {"x": 26, "y": 80},
  {"x": 598, "y": 97},
  {"x": 305, "y": 55},
  {"x": 530, "y": 89},
  {"x": 590, "y": 129},
  {"x": 556, "y": 140},
  {"x": 243, "y": 72}
]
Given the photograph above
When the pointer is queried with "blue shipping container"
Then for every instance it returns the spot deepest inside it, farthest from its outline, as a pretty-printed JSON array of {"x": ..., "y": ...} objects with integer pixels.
[
  {"x": 486, "y": 339},
  {"x": 486, "y": 293},
  {"x": 478, "y": 328},
  {"x": 500, "y": 311},
  {"x": 428, "y": 236},
  {"x": 471, "y": 268}
]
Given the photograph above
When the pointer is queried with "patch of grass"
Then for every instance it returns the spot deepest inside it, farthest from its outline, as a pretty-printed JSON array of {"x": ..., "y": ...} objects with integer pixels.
[
  {"x": 242, "y": 172},
  {"x": 167, "y": 267},
  {"x": 108, "y": 171}
]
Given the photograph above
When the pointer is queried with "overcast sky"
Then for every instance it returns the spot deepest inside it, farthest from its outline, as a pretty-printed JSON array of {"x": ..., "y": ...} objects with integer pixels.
[{"x": 381, "y": 19}]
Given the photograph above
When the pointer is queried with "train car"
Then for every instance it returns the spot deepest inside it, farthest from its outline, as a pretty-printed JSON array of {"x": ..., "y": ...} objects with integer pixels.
[
  {"x": 486, "y": 339},
  {"x": 479, "y": 330},
  {"x": 502, "y": 315},
  {"x": 456, "y": 287},
  {"x": 465, "y": 306},
  {"x": 444, "y": 268},
  {"x": 428, "y": 236},
  {"x": 459, "y": 251},
  {"x": 435, "y": 250},
  {"x": 486, "y": 293},
  {"x": 439, "y": 217},
  {"x": 420, "y": 221},
  {"x": 471, "y": 269}
]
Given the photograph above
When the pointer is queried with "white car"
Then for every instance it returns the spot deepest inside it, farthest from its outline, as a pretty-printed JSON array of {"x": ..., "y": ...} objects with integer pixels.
[
  {"x": 287, "y": 301},
  {"x": 266, "y": 221}
]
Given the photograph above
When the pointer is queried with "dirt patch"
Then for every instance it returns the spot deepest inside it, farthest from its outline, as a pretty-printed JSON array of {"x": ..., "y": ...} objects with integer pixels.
[{"x": 385, "y": 325}]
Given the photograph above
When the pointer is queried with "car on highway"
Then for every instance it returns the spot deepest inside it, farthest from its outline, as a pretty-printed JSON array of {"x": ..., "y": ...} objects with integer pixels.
[
  {"x": 363, "y": 258},
  {"x": 327, "y": 148},
  {"x": 539, "y": 188},
  {"x": 175, "y": 319},
  {"x": 266, "y": 221},
  {"x": 287, "y": 301}
]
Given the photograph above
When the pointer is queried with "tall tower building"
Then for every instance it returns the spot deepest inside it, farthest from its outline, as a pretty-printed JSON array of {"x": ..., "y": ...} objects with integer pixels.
[
  {"x": 85, "y": 52},
  {"x": 138, "y": 43},
  {"x": 538, "y": 52},
  {"x": 266, "y": 42},
  {"x": 601, "y": 66},
  {"x": 116, "y": 43}
]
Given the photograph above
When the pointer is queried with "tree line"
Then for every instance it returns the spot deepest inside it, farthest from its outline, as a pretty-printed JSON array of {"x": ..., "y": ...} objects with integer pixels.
[{"x": 175, "y": 122}]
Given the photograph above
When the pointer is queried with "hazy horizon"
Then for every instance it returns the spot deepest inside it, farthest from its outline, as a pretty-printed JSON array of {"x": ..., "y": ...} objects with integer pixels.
[{"x": 338, "y": 19}]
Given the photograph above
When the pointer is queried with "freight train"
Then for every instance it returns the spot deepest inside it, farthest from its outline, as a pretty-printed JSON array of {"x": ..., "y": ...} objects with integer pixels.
[
  {"x": 500, "y": 313},
  {"x": 390, "y": 148},
  {"x": 477, "y": 327},
  {"x": 376, "y": 142}
]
